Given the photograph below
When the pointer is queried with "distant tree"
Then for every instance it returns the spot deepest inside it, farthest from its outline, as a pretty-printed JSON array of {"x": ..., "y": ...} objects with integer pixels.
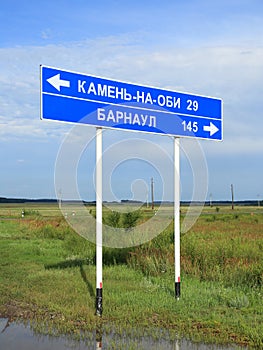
[
  {"x": 130, "y": 219},
  {"x": 113, "y": 219}
]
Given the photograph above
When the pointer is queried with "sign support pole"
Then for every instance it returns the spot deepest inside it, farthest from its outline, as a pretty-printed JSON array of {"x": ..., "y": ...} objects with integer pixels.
[
  {"x": 99, "y": 221},
  {"x": 177, "y": 215}
]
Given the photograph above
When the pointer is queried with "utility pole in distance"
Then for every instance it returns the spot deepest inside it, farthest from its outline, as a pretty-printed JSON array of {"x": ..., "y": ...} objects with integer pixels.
[
  {"x": 60, "y": 199},
  {"x": 232, "y": 195},
  {"x": 152, "y": 193}
]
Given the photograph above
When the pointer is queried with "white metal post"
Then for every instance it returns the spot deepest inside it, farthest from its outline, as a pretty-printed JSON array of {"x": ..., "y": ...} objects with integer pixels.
[
  {"x": 99, "y": 221},
  {"x": 177, "y": 215}
]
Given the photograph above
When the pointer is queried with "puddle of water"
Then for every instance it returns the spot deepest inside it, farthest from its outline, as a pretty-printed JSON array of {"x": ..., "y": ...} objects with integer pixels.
[{"x": 18, "y": 336}]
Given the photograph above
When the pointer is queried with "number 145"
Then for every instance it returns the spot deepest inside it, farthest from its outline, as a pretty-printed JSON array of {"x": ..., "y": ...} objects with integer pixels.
[{"x": 190, "y": 126}]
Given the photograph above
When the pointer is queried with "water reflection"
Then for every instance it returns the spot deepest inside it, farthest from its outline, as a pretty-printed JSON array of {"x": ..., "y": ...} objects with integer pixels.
[
  {"x": 15, "y": 336},
  {"x": 99, "y": 336}
]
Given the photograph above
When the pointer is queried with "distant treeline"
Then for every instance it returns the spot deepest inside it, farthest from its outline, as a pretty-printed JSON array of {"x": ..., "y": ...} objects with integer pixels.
[
  {"x": 185, "y": 203},
  {"x": 22, "y": 200}
]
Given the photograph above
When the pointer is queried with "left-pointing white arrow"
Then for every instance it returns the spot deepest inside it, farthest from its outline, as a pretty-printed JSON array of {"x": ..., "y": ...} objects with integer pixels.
[
  {"x": 211, "y": 128},
  {"x": 56, "y": 82}
]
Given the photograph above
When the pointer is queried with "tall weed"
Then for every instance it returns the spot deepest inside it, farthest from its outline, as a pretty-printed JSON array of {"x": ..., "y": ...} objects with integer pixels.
[{"x": 230, "y": 252}]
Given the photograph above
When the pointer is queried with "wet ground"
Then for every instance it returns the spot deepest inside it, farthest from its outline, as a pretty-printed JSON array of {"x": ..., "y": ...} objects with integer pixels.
[{"x": 14, "y": 336}]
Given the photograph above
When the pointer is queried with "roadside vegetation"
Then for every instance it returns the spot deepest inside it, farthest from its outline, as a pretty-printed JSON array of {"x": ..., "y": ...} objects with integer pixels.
[{"x": 48, "y": 273}]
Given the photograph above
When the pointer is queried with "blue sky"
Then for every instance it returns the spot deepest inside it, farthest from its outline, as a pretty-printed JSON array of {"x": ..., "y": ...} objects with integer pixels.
[{"x": 205, "y": 47}]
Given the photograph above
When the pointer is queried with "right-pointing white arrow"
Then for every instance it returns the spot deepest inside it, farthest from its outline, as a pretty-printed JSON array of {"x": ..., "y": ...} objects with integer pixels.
[
  {"x": 211, "y": 128},
  {"x": 56, "y": 82}
]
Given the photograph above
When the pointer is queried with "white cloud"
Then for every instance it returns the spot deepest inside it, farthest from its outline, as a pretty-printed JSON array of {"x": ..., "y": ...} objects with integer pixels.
[{"x": 232, "y": 73}]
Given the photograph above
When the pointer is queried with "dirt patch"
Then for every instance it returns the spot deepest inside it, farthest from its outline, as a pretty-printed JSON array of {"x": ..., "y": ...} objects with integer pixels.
[{"x": 24, "y": 311}]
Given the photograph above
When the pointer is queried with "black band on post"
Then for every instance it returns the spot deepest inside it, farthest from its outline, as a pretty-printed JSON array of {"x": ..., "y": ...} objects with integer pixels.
[
  {"x": 177, "y": 290},
  {"x": 99, "y": 301}
]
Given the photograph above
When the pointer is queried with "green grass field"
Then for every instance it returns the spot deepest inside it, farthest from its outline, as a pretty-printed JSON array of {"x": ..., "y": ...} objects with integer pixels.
[{"x": 47, "y": 276}]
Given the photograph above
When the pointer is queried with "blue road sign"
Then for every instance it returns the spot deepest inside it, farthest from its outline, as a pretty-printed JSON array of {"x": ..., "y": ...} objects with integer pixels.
[{"x": 80, "y": 98}]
